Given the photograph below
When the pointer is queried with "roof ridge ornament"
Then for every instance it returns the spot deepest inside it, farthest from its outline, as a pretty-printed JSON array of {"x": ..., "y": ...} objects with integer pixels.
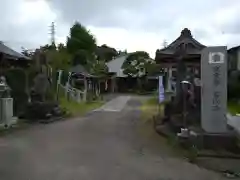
[{"x": 186, "y": 33}]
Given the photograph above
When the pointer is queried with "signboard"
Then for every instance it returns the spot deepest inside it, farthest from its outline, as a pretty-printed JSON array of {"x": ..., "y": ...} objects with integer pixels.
[
  {"x": 160, "y": 89},
  {"x": 214, "y": 89}
]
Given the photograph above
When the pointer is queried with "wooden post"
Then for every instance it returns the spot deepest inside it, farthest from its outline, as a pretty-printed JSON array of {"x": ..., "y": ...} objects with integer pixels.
[
  {"x": 85, "y": 89},
  {"x": 78, "y": 96},
  {"x": 99, "y": 88}
]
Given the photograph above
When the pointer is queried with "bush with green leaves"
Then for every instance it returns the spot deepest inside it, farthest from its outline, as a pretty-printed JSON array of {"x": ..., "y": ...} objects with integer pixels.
[{"x": 17, "y": 81}]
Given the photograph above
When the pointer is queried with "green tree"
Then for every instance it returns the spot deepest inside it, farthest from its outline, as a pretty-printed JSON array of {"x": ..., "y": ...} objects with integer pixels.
[
  {"x": 80, "y": 38},
  {"x": 60, "y": 59},
  {"x": 99, "y": 68},
  {"x": 48, "y": 47},
  {"x": 106, "y": 53},
  {"x": 136, "y": 63},
  {"x": 61, "y": 47},
  {"x": 139, "y": 64},
  {"x": 151, "y": 68},
  {"x": 80, "y": 57}
]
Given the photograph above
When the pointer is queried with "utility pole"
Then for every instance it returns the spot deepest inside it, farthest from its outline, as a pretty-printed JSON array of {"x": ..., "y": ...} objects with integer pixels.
[{"x": 52, "y": 33}]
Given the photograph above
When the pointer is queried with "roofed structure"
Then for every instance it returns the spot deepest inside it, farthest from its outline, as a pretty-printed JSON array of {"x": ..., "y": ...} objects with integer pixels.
[
  {"x": 79, "y": 69},
  {"x": 185, "y": 46},
  {"x": 234, "y": 58},
  {"x": 115, "y": 66},
  {"x": 11, "y": 54}
]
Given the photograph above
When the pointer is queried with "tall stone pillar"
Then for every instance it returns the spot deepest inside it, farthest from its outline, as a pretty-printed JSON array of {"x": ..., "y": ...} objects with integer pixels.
[{"x": 214, "y": 89}]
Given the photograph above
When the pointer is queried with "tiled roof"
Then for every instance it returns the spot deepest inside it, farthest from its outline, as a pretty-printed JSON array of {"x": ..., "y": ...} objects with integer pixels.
[
  {"x": 115, "y": 65},
  {"x": 8, "y": 51},
  {"x": 185, "y": 40},
  {"x": 79, "y": 69}
]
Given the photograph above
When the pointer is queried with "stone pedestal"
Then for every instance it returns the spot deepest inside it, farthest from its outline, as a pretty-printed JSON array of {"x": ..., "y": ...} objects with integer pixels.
[{"x": 6, "y": 112}]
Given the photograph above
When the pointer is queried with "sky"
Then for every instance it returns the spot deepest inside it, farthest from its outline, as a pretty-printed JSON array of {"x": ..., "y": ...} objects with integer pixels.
[{"x": 133, "y": 25}]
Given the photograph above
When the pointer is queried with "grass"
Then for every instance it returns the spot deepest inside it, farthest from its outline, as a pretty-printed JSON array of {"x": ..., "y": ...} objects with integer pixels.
[
  {"x": 151, "y": 108},
  {"x": 152, "y": 101},
  {"x": 78, "y": 109},
  {"x": 233, "y": 107}
]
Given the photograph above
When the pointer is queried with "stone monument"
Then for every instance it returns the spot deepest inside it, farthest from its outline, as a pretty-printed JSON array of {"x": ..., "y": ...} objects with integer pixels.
[
  {"x": 41, "y": 86},
  {"x": 214, "y": 89}
]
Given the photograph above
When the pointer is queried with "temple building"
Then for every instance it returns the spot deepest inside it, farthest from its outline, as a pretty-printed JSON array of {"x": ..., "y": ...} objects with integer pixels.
[
  {"x": 11, "y": 58},
  {"x": 185, "y": 49},
  {"x": 234, "y": 58}
]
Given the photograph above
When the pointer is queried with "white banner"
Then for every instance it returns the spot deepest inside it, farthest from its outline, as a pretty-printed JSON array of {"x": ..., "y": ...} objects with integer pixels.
[{"x": 160, "y": 90}]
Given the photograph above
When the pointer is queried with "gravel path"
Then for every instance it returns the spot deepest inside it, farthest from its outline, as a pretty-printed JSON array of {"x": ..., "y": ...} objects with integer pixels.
[{"x": 101, "y": 146}]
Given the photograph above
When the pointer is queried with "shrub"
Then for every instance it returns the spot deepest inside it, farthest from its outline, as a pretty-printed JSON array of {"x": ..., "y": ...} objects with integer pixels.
[{"x": 17, "y": 81}]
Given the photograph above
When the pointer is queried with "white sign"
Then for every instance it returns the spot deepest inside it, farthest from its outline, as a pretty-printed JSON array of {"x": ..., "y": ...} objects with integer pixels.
[
  {"x": 160, "y": 90},
  {"x": 216, "y": 57}
]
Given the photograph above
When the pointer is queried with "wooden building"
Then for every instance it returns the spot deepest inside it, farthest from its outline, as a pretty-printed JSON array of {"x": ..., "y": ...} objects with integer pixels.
[
  {"x": 11, "y": 58},
  {"x": 234, "y": 58},
  {"x": 184, "y": 49}
]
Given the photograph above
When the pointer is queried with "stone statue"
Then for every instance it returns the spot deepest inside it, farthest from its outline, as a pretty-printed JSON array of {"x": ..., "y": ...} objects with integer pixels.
[
  {"x": 43, "y": 78},
  {"x": 41, "y": 85}
]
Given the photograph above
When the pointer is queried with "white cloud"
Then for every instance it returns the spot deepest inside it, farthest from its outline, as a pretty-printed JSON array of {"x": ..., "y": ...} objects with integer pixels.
[
  {"x": 27, "y": 25},
  {"x": 130, "y": 40},
  {"x": 34, "y": 11},
  {"x": 132, "y": 25}
]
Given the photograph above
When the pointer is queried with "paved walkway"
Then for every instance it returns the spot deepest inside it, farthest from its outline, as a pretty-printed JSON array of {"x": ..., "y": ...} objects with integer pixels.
[
  {"x": 117, "y": 104},
  {"x": 101, "y": 146}
]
